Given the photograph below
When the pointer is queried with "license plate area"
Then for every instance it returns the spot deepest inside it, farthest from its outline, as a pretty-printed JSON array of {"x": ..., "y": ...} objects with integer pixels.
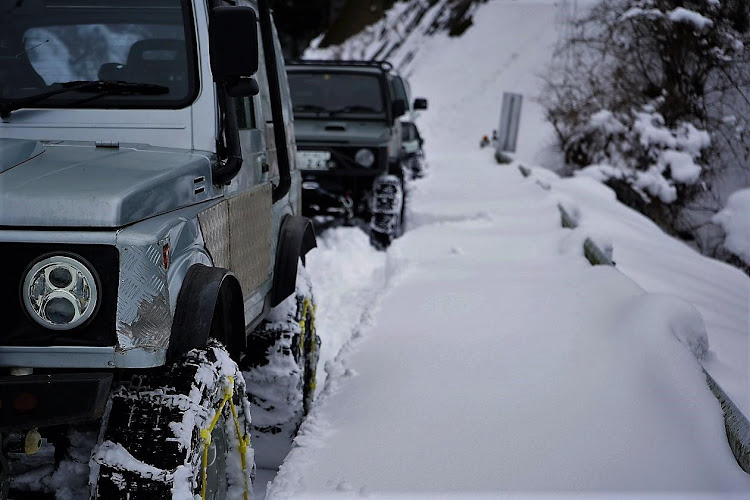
[{"x": 313, "y": 160}]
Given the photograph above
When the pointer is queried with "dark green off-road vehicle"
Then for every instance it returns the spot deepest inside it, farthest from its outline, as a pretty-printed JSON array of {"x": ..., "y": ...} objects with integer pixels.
[{"x": 349, "y": 144}]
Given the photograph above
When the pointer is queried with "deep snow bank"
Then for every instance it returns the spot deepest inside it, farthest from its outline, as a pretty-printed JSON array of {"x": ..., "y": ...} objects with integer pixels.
[
  {"x": 661, "y": 264},
  {"x": 500, "y": 360},
  {"x": 349, "y": 276}
]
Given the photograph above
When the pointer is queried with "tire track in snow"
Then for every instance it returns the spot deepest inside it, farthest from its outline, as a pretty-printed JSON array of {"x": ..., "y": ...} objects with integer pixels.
[{"x": 348, "y": 276}]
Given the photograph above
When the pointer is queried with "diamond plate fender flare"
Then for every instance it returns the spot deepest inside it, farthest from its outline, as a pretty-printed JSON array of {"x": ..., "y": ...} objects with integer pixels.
[
  {"x": 296, "y": 238},
  {"x": 209, "y": 305}
]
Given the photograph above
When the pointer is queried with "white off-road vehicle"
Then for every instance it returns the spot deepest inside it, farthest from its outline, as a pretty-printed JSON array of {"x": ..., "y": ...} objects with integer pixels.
[{"x": 151, "y": 235}]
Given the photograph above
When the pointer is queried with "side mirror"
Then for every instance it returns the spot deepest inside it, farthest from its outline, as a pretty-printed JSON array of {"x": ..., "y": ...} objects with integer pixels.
[
  {"x": 420, "y": 103},
  {"x": 233, "y": 43},
  {"x": 398, "y": 108}
]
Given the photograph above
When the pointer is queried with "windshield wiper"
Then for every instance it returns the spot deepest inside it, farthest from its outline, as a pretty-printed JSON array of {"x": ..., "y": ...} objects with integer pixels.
[
  {"x": 354, "y": 109},
  {"x": 99, "y": 87}
]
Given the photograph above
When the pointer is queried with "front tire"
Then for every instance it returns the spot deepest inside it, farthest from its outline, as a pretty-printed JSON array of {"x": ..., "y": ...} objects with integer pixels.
[
  {"x": 155, "y": 443},
  {"x": 388, "y": 208}
]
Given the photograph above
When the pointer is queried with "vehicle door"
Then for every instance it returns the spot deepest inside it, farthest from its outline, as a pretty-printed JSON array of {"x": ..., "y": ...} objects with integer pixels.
[{"x": 249, "y": 198}]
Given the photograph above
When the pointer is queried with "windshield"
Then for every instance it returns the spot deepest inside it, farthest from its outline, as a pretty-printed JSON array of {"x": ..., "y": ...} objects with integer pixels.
[
  {"x": 46, "y": 43},
  {"x": 336, "y": 93}
]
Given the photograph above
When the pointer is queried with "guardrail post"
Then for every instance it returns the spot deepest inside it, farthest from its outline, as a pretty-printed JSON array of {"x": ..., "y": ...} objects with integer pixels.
[{"x": 593, "y": 252}]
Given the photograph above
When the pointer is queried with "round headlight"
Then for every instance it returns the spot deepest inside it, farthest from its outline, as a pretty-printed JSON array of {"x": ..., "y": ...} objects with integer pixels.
[
  {"x": 364, "y": 157},
  {"x": 60, "y": 292}
]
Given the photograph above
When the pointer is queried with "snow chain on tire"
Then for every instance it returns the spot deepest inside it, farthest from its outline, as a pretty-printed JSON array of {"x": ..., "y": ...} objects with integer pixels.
[
  {"x": 158, "y": 430},
  {"x": 309, "y": 344},
  {"x": 279, "y": 372},
  {"x": 242, "y": 437},
  {"x": 387, "y": 207}
]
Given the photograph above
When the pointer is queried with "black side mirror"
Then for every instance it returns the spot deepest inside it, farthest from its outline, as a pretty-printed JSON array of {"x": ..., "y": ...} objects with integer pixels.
[
  {"x": 398, "y": 108},
  {"x": 420, "y": 103},
  {"x": 233, "y": 43}
]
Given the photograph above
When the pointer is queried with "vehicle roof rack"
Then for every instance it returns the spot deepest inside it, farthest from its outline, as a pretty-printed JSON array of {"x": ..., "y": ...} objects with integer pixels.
[{"x": 384, "y": 65}]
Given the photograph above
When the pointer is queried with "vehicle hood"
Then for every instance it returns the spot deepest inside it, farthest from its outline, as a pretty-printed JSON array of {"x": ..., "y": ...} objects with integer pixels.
[
  {"x": 352, "y": 133},
  {"x": 80, "y": 185}
]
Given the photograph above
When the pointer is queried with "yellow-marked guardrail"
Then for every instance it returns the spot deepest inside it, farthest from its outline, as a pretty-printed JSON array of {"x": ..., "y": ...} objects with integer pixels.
[{"x": 735, "y": 422}]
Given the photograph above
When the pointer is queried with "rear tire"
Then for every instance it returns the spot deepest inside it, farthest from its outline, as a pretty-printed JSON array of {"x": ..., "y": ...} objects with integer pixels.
[
  {"x": 151, "y": 446},
  {"x": 280, "y": 371}
]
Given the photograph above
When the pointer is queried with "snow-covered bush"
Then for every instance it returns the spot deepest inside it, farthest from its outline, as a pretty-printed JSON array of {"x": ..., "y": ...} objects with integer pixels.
[
  {"x": 655, "y": 94},
  {"x": 640, "y": 150},
  {"x": 735, "y": 220}
]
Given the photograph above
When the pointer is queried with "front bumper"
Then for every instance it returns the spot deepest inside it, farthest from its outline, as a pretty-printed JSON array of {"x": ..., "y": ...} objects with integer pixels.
[
  {"x": 79, "y": 357},
  {"x": 31, "y": 401}
]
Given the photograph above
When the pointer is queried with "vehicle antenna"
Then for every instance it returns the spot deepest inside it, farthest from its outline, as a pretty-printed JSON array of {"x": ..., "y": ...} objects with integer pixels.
[{"x": 30, "y": 49}]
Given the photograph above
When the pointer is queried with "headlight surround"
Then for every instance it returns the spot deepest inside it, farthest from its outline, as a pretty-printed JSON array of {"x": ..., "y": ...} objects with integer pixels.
[
  {"x": 365, "y": 157},
  {"x": 60, "y": 292}
]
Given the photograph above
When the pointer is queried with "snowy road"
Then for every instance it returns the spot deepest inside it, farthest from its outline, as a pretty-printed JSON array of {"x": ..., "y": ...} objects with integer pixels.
[
  {"x": 499, "y": 360},
  {"x": 486, "y": 355}
]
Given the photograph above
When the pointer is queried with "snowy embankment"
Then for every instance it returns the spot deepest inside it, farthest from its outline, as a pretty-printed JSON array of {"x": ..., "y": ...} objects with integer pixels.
[
  {"x": 499, "y": 360},
  {"x": 660, "y": 264},
  {"x": 487, "y": 355}
]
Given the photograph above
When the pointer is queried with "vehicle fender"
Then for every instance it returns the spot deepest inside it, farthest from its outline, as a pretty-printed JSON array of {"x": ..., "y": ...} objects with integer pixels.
[
  {"x": 206, "y": 293},
  {"x": 296, "y": 238}
]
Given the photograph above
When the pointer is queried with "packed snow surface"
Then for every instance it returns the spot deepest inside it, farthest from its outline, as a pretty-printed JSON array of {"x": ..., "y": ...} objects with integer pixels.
[
  {"x": 498, "y": 359},
  {"x": 482, "y": 353}
]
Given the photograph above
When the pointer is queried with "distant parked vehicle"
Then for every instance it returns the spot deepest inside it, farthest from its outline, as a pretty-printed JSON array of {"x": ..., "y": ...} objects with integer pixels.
[
  {"x": 412, "y": 147},
  {"x": 349, "y": 142},
  {"x": 411, "y": 140}
]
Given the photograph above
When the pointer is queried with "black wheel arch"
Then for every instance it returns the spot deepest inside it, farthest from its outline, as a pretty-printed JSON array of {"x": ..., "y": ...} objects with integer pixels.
[
  {"x": 296, "y": 238},
  {"x": 209, "y": 305}
]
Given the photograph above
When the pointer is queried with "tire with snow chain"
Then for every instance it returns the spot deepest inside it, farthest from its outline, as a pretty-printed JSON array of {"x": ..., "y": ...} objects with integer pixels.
[
  {"x": 388, "y": 207},
  {"x": 280, "y": 370},
  {"x": 153, "y": 442}
]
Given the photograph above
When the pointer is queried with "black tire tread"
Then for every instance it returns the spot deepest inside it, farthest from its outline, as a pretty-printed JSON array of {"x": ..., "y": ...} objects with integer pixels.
[{"x": 139, "y": 419}]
